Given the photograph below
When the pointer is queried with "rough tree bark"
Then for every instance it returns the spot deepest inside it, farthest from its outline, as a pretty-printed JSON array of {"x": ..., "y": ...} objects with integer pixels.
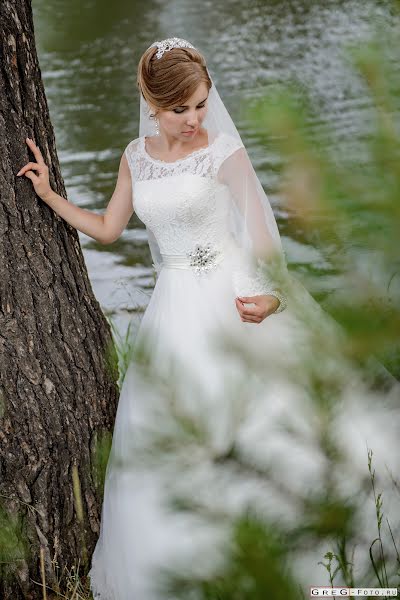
[{"x": 58, "y": 366}]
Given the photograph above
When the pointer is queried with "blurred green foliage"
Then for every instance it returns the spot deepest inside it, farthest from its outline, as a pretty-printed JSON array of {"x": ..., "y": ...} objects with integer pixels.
[{"x": 349, "y": 203}]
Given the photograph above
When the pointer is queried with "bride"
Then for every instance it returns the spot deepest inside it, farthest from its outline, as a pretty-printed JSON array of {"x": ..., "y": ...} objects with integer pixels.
[{"x": 221, "y": 275}]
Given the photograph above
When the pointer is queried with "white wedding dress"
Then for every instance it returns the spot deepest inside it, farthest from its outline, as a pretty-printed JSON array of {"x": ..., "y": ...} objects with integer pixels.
[{"x": 189, "y": 371}]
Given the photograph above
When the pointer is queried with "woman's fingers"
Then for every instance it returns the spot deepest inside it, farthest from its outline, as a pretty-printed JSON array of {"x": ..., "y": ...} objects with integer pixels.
[
  {"x": 251, "y": 319},
  {"x": 29, "y": 166},
  {"x": 251, "y": 312},
  {"x": 36, "y": 151},
  {"x": 246, "y": 314},
  {"x": 39, "y": 165},
  {"x": 255, "y": 320},
  {"x": 40, "y": 179},
  {"x": 248, "y": 311},
  {"x": 33, "y": 177}
]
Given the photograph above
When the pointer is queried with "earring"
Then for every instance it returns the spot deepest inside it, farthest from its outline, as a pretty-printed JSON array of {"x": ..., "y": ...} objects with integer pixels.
[{"x": 156, "y": 123}]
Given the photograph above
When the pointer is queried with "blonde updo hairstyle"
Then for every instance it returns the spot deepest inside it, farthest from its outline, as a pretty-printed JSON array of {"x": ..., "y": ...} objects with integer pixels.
[{"x": 169, "y": 81}]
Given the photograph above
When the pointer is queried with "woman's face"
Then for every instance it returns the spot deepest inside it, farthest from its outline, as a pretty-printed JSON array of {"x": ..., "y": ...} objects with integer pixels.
[{"x": 184, "y": 122}]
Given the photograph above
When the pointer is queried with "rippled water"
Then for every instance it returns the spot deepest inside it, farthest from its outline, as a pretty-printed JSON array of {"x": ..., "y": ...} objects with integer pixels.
[{"x": 89, "y": 51}]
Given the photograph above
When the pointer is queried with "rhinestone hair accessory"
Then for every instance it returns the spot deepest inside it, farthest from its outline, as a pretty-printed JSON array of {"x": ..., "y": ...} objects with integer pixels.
[{"x": 170, "y": 43}]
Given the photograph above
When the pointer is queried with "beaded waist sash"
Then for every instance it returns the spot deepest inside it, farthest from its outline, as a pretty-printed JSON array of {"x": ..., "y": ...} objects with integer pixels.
[{"x": 201, "y": 259}]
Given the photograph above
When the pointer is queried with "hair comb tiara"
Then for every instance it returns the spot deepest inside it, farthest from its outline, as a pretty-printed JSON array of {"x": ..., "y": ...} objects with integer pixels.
[{"x": 170, "y": 43}]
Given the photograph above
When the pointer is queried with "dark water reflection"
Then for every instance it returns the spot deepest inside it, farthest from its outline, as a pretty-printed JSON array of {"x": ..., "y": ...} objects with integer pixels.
[{"x": 89, "y": 52}]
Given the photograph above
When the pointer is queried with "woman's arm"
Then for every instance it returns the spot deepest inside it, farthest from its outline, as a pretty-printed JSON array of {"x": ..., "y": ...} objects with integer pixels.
[
  {"x": 237, "y": 173},
  {"x": 105, "y": 228}
]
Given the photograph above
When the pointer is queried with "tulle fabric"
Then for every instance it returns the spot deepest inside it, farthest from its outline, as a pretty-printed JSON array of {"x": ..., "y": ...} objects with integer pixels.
[
  {"x": 187, "y": 318},
  {"x": 182, "y": 329}
]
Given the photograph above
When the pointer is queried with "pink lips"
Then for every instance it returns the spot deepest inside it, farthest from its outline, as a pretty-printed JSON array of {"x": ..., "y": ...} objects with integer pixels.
[{"x": 191, "y": 131}]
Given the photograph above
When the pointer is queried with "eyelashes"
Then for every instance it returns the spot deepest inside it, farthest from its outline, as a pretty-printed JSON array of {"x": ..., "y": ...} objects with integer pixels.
[{"x": 178, "y": 112}]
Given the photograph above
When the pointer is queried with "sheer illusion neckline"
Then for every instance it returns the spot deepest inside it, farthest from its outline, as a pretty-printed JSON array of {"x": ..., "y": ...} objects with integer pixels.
[{"x": 178, "y": 160}]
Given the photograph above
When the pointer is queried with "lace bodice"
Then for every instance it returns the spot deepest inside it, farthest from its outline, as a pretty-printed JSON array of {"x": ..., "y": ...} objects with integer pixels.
[
  {"x": 181, "y": 202},
  {"x": 204, "y": 162}
]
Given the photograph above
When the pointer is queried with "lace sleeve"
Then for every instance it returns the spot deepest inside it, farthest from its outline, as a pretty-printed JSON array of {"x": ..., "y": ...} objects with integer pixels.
[
  {"x": 132, "y": 156},
  {"x": 223, "y": 147},
  {"x": 262, "y": 268}
]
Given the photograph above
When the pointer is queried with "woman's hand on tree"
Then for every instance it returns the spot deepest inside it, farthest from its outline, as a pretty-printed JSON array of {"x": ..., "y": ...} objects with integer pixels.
[
  {"x": 265, "y": 305},
  {"x": 40, "y": 180}
]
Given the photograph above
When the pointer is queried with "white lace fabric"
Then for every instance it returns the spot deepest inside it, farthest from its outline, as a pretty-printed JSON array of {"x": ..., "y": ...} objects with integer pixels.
[
  {"x": 185, "y": 205},
  {"x": 204, "y": 162}
]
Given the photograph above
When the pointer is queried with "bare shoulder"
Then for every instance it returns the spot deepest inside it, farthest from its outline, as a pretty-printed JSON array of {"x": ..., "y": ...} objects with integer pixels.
[{"x": 132, "y": 146}]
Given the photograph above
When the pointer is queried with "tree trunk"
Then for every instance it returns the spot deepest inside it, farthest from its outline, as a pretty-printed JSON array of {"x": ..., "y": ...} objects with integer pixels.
[{"x": 58, "y": 365}]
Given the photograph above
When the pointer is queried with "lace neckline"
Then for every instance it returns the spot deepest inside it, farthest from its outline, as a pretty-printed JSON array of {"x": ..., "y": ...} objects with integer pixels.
[{"x": 178, "y": 160}]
